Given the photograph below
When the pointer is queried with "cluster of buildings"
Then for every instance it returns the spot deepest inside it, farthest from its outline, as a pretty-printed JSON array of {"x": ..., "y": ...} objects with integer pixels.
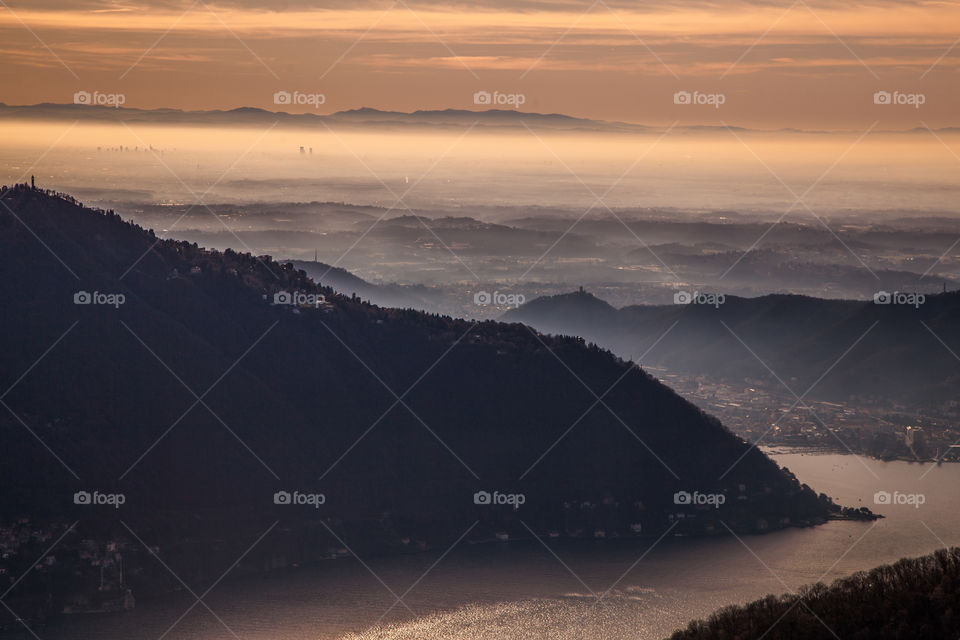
[
  {"x": 92, "y": 571},
  {"x": 766, "y": 417}
]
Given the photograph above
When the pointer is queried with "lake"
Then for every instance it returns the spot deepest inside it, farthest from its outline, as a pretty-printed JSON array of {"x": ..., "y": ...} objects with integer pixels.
[{"x": 525, "y": 590}]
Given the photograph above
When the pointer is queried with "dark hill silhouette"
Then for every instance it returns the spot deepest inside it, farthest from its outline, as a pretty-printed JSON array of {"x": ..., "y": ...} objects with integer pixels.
[
  {"x": 899, "y": 361},
  {"x": 303, "y": 399}
]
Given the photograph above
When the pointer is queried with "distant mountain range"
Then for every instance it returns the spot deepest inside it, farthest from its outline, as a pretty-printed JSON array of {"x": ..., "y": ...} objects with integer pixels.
[
  {"x": 366, "y": 117},
  {"x": 202, "y": 384},
  {"x": 886, "y": 354}
]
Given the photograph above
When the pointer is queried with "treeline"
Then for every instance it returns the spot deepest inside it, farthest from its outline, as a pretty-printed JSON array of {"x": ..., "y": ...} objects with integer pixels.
[{"x": 912, "y": 598}]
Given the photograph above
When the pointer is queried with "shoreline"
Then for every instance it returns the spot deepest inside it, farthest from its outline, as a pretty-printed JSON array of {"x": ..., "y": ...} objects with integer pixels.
[{"x": 772, "y": 449}]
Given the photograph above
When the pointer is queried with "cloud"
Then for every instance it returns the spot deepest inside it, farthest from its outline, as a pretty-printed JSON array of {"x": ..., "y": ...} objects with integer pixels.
[{"x": 418, "y": 52}]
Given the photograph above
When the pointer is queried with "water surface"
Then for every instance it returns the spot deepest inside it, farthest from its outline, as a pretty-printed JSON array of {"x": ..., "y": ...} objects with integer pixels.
[{"x": 523, "y": 590}]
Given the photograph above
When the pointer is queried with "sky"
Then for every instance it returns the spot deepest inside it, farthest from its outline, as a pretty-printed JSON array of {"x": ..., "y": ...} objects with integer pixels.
[{"x": 806, "y": 64}]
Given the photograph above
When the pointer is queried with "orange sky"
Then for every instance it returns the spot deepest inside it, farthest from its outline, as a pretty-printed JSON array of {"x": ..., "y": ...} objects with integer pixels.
[{"x": 779, "y": 64}]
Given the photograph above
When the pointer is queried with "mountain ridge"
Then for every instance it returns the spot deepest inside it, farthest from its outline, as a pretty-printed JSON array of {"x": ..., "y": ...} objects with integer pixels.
[
  {"x": 202, "y": 396},
  {"x": 370, "y": 116},
  {"x": 798, "y": 337},
  {"x": 365, "y": 116}
]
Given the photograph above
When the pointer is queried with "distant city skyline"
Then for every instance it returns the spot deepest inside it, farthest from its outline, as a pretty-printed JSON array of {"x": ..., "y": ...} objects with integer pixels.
[{"x": 812, "y": 65}]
